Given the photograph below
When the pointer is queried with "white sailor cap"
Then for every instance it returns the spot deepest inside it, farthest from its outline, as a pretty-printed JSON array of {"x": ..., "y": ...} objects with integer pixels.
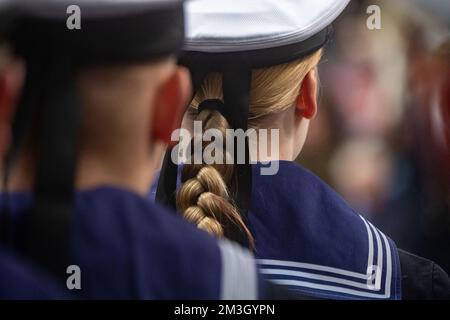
[
  {"x": 236, "y": 25},
  {"x": 255, "y": 33}
]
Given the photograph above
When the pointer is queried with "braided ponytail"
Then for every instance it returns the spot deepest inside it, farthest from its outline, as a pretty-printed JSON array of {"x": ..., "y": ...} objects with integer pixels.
[{"x": 204, "y": 197}]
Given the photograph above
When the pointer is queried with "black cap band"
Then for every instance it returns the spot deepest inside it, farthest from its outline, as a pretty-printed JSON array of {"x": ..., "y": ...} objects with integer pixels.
[{"x": 198, "y": 61}]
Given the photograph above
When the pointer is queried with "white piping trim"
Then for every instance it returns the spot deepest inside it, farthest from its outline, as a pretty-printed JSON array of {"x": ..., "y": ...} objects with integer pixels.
[
  {"x": 388, "y": 263},
  {"x": 358, "y": 293},
  {"x": 370, "y": 256},
  {"x": 301, "y": 274},
  {"x": 214, "y": 45},
  {"x": 379, "y": 266},
  {"x": 239, "y": 273},
  {"x": 365, "y": 276},
  {"x": 313, "y": 267}
]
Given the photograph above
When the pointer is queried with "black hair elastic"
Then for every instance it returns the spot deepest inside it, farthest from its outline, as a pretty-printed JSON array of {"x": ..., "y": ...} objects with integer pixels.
[{"x": 212, "y": 104}]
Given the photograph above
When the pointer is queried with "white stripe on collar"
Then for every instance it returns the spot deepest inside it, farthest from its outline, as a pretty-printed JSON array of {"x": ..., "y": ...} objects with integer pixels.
[{"x": 339, "y": 282}]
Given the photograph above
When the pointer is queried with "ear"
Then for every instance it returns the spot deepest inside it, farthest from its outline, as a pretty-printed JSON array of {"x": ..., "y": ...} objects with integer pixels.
[
  {"x": 11, "y": 79},
  {"x": 171, "y": 101},
  {"x": 306, "y": 104}
]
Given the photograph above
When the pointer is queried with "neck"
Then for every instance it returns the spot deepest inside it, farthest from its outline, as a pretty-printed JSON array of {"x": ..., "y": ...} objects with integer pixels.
[
  {"x": 130, "y": 171},
  {"x": 131, "y": 174},
  {"x": 286, "y": 134},
  {"x": 277, "y": 147}
]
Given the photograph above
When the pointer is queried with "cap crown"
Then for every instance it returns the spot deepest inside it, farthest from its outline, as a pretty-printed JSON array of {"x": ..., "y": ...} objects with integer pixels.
[{"x": 236, "y": 25}]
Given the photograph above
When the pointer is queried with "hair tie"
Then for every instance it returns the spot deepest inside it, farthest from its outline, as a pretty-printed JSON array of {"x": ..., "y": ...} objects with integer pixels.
[{"x": 212, "y": 104}]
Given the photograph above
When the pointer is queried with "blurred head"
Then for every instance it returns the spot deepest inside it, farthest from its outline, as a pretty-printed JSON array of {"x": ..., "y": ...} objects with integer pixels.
[
  {"x": 128, "y": 114},
  {"x": 282, "y": 97}
]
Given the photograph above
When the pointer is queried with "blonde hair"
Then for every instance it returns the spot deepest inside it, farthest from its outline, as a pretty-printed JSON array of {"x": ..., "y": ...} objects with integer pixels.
[{"x": 204, "y": 197}]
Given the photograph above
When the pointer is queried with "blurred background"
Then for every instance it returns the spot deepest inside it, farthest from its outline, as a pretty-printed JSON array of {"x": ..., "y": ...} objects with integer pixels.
[{"x": 382, "y": 135}]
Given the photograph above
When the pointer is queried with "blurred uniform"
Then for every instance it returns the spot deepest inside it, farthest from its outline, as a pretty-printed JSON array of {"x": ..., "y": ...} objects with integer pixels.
[
  {"x": 20, "y": 280},
  {"x": 306, "y": 236}
]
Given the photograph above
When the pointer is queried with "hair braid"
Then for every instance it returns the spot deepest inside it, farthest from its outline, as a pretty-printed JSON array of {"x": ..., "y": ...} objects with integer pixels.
[{"x": 204, "y": 197}]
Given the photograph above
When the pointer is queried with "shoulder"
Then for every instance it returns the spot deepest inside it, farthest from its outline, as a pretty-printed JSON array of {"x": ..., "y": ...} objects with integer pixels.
[
  {"x": 312, "y": 228},
  {"x": 298, "y": 203},
  {"x": 126, "y": 211},
  {"x": 208, "y": 264},
  {"x": 312, "y": 194},
  {"x": 166, "y": 256},
  {"x": 422, "y": 278}
]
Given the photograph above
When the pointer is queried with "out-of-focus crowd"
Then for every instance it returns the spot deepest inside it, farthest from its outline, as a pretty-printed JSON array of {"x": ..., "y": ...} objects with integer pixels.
[{"x": 382, "y": 136}]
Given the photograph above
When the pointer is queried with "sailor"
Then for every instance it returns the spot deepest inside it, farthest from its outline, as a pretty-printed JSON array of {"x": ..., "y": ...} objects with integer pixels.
[
  {"x": 253, "y": 66},
  {"x": 97, "y": 104}
]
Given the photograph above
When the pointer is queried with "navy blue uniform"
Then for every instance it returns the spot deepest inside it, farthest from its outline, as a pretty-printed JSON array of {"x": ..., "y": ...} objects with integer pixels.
[
  {"x": 19, "y": 280},
  {"x": 129, "y": 248},
  {"x": 309, "y": 239}
]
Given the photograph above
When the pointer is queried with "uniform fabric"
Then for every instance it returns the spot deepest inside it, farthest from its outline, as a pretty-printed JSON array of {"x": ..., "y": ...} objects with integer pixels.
[
  {"x": 128, "y": 248},
  {"x": 19, "y": 280},
  {"x": 309, "y": 239},
  {"x": 422, "y": 279}
]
